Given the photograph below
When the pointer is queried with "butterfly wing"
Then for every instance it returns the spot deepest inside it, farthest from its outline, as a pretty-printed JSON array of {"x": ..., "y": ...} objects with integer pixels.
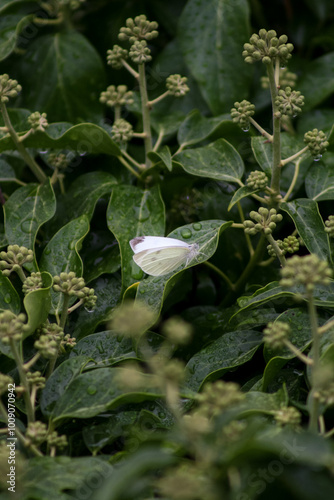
[
  {"x": 160, "y": 261},
  {"x": 141, "y": 243}
]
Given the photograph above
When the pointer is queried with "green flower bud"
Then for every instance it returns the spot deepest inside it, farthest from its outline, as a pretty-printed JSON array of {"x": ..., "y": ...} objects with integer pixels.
[
  {"x": 138, "y": 29},
  {"x": 117, "y": 96},
  {"x": 8, "y": 88},
  {"x": 33, "y": 282},
  {"x": 271, "y": 250},
  {"x": 36, "y": 433},
  {"x": 47, "y": 346},
  {"x": 177, "y": 85},
  {"x": 115, "y": 56},
  {"x": 12, "y": 327},
  {"x": 88, "y": 297},
  {"x": 140, "y": 53},
  {"x": 69, "y": 341},
  {"x": 218, "y": 396},
  {"x": 266, "y": 47},
  {"x": 329, "y": 226},
  {"x": 290, "y": 244},
  {"x": 275, "y": 334},
  {"x": 14, "y": 259},
  {"x": 38, "y": 121},
  {"x": 57, "y": 441},
  {"x": 317, "y": 142},
  {"x": 72, "y": 4},
  {"x": 266, "y": 221},
  {"x": 187, "y": 482},
  {"x": 131, "y": 319},
  {"x": 5, "y": 380},
  {"x": 177, "y": 330},
  {"x": 241, "y": 112},
  {"x": 36, "y": 379},
  {"x": 289, "y": 102},
  {"x": 121, "y": 131},
  {"x": 308, "y": 271},
  {"x": 58, "y": 160},
  {"x": 68, "y": 283},
  {"x": 257, "y": 180},
  {"x": 172, "y": 371},
  {"x": 53, "y": 331},
  {"x": 288, "y": 416}
]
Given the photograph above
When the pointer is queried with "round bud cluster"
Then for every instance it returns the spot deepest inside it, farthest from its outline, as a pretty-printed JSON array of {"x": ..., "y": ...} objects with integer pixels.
[
  {"x": 316, "y": 141},
  {"x": 116, "y": 96},
  {"x": 8, "y": 88},
  {"x": 88, "y": 297},
  {"x": 271, "y": 250},
  {"x": 36, "y": 433},
  {"x": 186, "y": 482},
  {"x": 289, "y": 102},
  {"x": 140, "y": 53},
  {"x": 265, "y": 221},
  {"x": 131, "y": 319},
  {"x": 122, "y": 131},
  {"x": 172, "y": 371},
  {"x": 257, "y": 180},
  {"x": 241, "y": 112},
  {"x": 116, "y": 55},
  {"x": 266, "y": 46},
  {"x": 68, "y": 283},
  {"x": 290, "y": 244},
  {"x": 47, "y": 346},
  {"x": 33, "y": 282},
  {"x": 36, "y": 379},
  {"x": 177, "y": 85},
  {"x": 177, "y": 331},
  {"x": 286, "y": 79},
  {"x": 5, "y": 380},
  {"x": 54, "y": 331},
  {"x": 12, "y": 327},
  {"x": 231, "y": 432},
  {"x": 38, "y": 121},
  {"x": 69, "y": 341},
  {"x": 59, "y": 160},
  {"x": 307, "y": 270},
  {"x": 275, "y": 334},
  {"x": 138, "y": 28},
  {"x": 218, "y": 396},
  {"x": 329, "y": 226},
  {"x": 288, "y": 416},
  {"x": 14, "y": 259},
  {"x": 195, "y": 425},
  {"x": 57, "y": 441}
]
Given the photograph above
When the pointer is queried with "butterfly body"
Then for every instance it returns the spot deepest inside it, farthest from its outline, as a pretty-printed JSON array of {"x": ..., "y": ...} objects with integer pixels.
[{"x": 158, "y": 256}]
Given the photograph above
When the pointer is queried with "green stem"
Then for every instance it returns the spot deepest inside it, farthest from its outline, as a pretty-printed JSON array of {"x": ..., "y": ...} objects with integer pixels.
[
  {"x": 276, "y": 167},
  {"x": 298, "y": 353},
  {"x": 277, "y": 249},
  {"x": 294, "y": 180},
  {"x": 23, "y": 381},
  {"x": 34, "y": 167},
  {"x": 324, "y": 328},
  {"x": 117, "y": 111},
  {"x": 145, "y": 113},
  {"x": 21, "y": 274},
  {"x": 128, "y": 166},
  {"x": 129, "y": 157},
  {"x": 64, "y": 311},
  {"x": 220, "y": 273},
  {"x": 293, "y": 157},
  {"x": 159, "y": 139},
  {"x": 248, "y": 240},
  {"x": 51, "y": 366},
  {"x": 315, "y": 354},
  {"x": 130, "y": 69},
  {"x": 261, "y": 130},
  {"x": 158, "y": 99}
]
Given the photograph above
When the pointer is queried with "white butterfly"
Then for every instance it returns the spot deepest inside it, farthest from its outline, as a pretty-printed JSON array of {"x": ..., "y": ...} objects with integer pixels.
[{"x": 157, "y": 255}]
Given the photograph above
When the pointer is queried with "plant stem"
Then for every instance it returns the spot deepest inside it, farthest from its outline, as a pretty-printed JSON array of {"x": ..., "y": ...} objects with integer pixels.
[
  {"x": 129, "y": 157},
  {"x": 276, "y": 167},
  {"x": 34, "y": 167},
  {"x": 248, "y": 240},
  {"x": 324, "y": 328},
  {"x": 277, "y": 249},
  {"x": 23, "y": 381},
  {"x": 158, "y": 99},
  {"x": 261, "y": 130},
  {"x": 117, "y": 112},
  {"x": 294, "y": 180},
  {"x": 293, "y": 157},
  {"x": 220, "y": 273},
  {"x": 130, "y": 69},
  {"x": 128, "y": 166},
  {"x": 315, "y": 353},
  {"x": 145, "y": 113},
  {"x": 21, "y": 274},
  {"x": 158, "y": 141},
  {"x": 298, "y": 353},
  {"x": 64, "y": 311}
]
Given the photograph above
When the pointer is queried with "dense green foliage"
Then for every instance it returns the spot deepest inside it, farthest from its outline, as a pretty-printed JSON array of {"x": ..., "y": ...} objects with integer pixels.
[{"x": 215, "y": 380}]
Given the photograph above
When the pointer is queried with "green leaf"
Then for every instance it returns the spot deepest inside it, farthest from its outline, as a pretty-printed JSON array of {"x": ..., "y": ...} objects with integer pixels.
[
  {"x": 227, "y": 352},
  {"x": 108, "y": 290},
  {"x": 211, "y": 34},
  {"x": 317, "y": 81},
  {"x": 134, "y": 212},
  {"x": 100, "y": 255},
  {"x": 37, "y": 304},
  {"x": 96, "y": 391},
  {"x": 83, "y": 138},
  {"x": 259, "y": 402},
  {"x": 154, "y": 289},
  {"x": 219, "y": 160},
  {"x": 263, "y": 152},
  {"x": 59, "y": 380},
  {"x": 163, "y": 155},
  {"x": 61, "y": 254},
  {"x": 104, "y": 348},
  {"x": 308, "y": 221},
  {"x": 241, "y": 193},
  {"x": 9, "y": 298},
  {"x": 15, "y": 16},
  {"x": 25, "y": 211},
  {"x": 197, "y": 128},
  {"x": 319, "y": 183},
  {"x": 70, "y": 77},
  {"x": 7, "y": 173}
]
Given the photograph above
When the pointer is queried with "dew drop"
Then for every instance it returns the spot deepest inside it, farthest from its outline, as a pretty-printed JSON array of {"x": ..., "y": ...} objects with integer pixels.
[
  {"x": 71, "y": 245},
  {"x": 317, "y": 158},
  {"x": 161, "y": 415},
  {"x": 91, "y": 389},
  {"x": 47, "y": 251},
  {"x": 44, "y": 152},
  {"x": 186, "y": 234},
  {"x": 26, "y": 225},
  {"x": 197, "y": 226},
  {"x": 89, "y": 310},
  {"x": 245, "y": 129},
  {"x": 7, "y": 299}
]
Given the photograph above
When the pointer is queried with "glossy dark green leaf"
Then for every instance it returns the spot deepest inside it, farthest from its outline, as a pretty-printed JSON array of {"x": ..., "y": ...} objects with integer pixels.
[
  {"x": 100, "y": 255},
  {"x": 10, "y": 28},
  {"x": 7, "y": 173},
  {"x": 227, "y": 352},
  {"x": 134, "y": 212},
  {"x": 259, "y": 402},
  {"x": 59, "y": 380},
  {"x": 38, "y": 303},
  {"x": 96, "y": 391},
  {"x": 9, "y": 298},
  {"x": 154, "y": 289},
  {"x": 308, "y": 221},
  {"x": 197, "y": 128},
  {"x": 108, "y": 291},
  {"x": 241, "y": 193},
  {"x": 25, "y": 211},
  {"x": 61, "y": 254},
  {"x": 69, "y": 78},
  {"x": 317, "y": 81},
  {"x": 219, "y": 160},
  {"x": 163, "y": 155},
  {"x": 104, "y": 348},
  {"x": 211, "y": 34},
  {"x": 319, "y": 183}
]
